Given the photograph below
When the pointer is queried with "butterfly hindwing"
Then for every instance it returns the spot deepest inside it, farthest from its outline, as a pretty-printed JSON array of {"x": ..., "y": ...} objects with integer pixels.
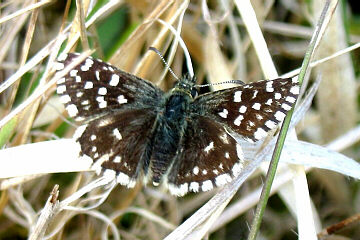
[
  {"x": 117, "y": 143},
  {"x": 208, "y": 157}
]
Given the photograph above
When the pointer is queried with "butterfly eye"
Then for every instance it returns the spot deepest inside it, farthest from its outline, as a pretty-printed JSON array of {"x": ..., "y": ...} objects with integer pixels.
[{"x": 194, "y": 92}]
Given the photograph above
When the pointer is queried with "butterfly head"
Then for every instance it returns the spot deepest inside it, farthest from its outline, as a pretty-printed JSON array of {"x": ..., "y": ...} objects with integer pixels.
[{"x": 186, "y": 85}]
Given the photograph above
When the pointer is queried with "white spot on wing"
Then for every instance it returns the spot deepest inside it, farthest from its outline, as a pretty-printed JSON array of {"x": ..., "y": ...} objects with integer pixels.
[
  {"x": 109, "y": 174},
  {"x": 242, "y": 109},
  {"x": 279, "y": 116},
  {"x": 209, "y": 147},
  {"x": 123, "y": 179},
  {"x": 100, "y": 99},
  {"x": 102, "y": 91},
  {"x": 72, "y": 110},
  {"x": 103, "y": 104},
  {"x": 88, "y": 63},
  {"x": 270, "y": 124},
  {"x": 290, "y": 99},
  {"x": 260, "y": 133},
  {"x": 269, "y": 102},
  {"x": 255, "y": 94},
  {"x": 251, "y": 123},
  {"x": 121, "y": 99},
  {"x": 88, "y": 85},
  {"x": 117, "y": 159},
  {"x": 237, "y": 96},
  {"x": 73, "y": 73},
  {"x": 286, "y": 107},
  {"x": 194, "y": 187},
  {"x": 236, "y": 169},
  {"x": 295, "y": 90},
  {"x": 224, "y": 113},
  {"x": 207, "y": 185},
  {"x": 114, "y": 80},
  {"x": 269, "y": 86},
  {"x": 222, "y": 179},
  {"x": 256, "y": 106},
  {"x": 84, "y": 68},
  {"x": 117, "y": 134},
  {"x": 221, "y": 166},
  {"x": 196, "y": 170},
  {"x": 97, "y": 74},
  {"x": 61, "y": 89},
  {"x": 237, "y": 121},
  {"x": 179, "y": 190},
  {"x": 277, "y": 96},
  {"x": 85, "y": 102}
]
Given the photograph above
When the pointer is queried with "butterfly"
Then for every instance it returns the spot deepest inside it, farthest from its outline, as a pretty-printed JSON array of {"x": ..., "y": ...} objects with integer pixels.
[{"x": 132, "y": 130}]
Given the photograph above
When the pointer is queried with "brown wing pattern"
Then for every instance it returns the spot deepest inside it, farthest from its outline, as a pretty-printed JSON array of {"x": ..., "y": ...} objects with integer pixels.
[
  {"x": 117, "y": 144},
  {"x": 95, "y": 88},
  {"x": 208, "y": 157},
  {"x": 250, "y": 110}
]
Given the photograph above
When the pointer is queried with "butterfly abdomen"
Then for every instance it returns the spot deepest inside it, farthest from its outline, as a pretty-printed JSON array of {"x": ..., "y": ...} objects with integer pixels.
[{"x": 170, "y": 128}]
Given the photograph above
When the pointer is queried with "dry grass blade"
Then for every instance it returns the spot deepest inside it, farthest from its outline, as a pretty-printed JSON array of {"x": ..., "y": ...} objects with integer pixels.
[
  {"x": 46, "y": 214},
  {"x": 23, "y": 10},
  {"x": 249, "y": 17},
  {"x": 40, "y": 91}
]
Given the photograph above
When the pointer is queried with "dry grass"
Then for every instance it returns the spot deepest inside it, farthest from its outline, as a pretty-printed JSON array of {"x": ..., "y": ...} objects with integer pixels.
[{"x": 225, "y": 42}]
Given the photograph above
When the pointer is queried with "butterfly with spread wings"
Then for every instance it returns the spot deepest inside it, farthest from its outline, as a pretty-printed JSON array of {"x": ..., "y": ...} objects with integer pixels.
[{"x": 133, "y": 130}]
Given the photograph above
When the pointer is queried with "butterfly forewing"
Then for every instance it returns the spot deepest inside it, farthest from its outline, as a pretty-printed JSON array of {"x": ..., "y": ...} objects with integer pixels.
[
  {"x": 209, "y": 158},
  {"x": 94, "y": 88},
  {"x": 250, "y": 110}
]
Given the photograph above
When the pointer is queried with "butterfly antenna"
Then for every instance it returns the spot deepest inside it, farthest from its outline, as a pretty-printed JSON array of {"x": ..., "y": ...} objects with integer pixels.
[
  {"x": 225, "y": 82},
  {"x": 164, "y": 61}
]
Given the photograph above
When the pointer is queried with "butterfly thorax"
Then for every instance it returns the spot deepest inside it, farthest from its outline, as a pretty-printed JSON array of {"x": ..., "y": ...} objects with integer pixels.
[{"x": 170, "y": 127}]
